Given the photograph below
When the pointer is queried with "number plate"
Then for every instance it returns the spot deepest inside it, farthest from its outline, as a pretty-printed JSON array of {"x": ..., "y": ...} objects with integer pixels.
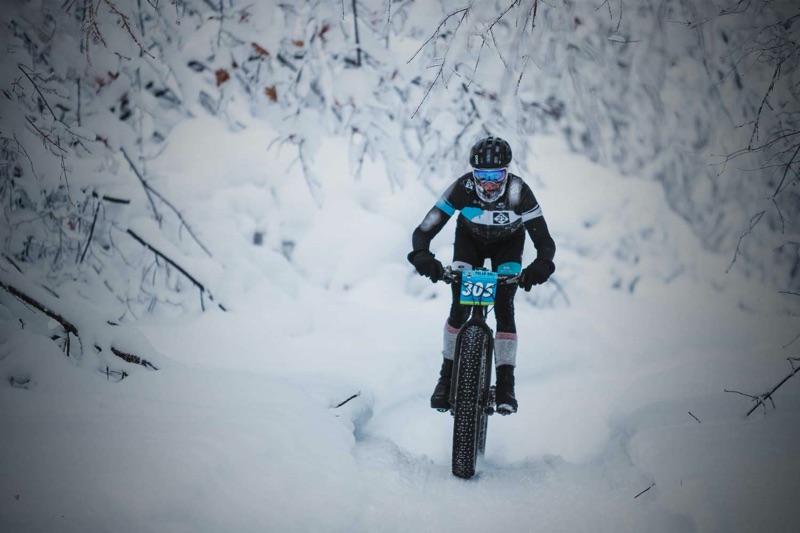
[{"x": 478, "y": 287}]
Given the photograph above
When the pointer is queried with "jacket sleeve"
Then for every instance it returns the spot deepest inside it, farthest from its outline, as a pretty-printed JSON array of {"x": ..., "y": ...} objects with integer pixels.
[
  {"x": 434, "y": 221},
  {"x": 432, "y": 224},
  {"x": 536, "y": 226},
  {"x": 542, "y": 241}
]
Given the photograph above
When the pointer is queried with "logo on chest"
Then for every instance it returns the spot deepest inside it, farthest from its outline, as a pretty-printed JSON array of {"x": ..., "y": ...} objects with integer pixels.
[{"x": 501, "y": 217}]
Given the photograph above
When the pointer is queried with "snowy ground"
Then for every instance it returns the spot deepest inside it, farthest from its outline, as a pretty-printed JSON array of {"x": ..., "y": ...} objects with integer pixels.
[{"x": 621, "y": 376}]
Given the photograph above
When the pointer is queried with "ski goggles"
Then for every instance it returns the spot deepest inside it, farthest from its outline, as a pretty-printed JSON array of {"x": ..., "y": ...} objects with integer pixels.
[{"x": 494, "y": 175}]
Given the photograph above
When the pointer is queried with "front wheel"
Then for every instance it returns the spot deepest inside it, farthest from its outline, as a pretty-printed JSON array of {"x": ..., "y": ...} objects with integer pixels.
[{"x": 470, "y": 415}]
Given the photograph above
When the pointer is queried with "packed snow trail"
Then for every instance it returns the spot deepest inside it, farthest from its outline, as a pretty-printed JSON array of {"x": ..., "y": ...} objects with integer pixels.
[{"x": 240, "y": 431}]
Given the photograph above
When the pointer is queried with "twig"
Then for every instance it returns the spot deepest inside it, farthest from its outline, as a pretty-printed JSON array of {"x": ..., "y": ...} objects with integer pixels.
[
  {"x": 795, "y": 339},
  {"x": 12, "y": 263},
  {"x": 645, "y": 490},
  {"x": 743, "y": 394},
  {"x": 534, "y": 9},
  {"x": 503, "y": 14},
  {"x": 776, "y": 387},
  {"x": 20, "y": 65},
  {"x": 180, "y": 269},
  {"x": 780, "y": 188},
  {"x": 91, "y": 231},
  {"x": 775, "y": 75},
  {"x": 126, "y": 25},
  {"x": 753, "y": 223},
  {"x": 44, "y": 135},
  {"x": 522, "y": 71},
  {"x": 761, "y": 399},
  {"x": 358, "y": 42},
  {"x": 25, "y": 152},
  {"x": 698, "y": 420},
  {"x": 146, "y": 187},
  {"x": 439, "y": 74},
  {"x": 465, "y": 10},
  {"x": 356, "y": 395},
  {"x": 149, "y": 189}
]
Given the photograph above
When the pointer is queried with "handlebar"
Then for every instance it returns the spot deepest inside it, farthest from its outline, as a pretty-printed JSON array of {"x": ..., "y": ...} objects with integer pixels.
[{"x": 454, "y": 276}]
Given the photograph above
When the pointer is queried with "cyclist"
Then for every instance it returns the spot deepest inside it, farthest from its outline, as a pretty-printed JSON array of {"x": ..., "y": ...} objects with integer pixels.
[{"x": 496, "y": 209}]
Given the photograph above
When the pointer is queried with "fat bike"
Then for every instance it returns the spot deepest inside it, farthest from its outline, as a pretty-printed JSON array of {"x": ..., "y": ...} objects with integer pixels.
[{"x": 472, "y": 397}]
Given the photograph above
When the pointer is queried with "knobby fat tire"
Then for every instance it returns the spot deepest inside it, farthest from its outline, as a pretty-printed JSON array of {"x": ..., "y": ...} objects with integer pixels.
[{"x": 469, "y": 414}]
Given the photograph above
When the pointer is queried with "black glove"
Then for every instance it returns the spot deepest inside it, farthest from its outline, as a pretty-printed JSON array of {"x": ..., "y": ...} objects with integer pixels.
[
  {"x": 426, "y": 264},
  {"x": 536, "y": 273}
]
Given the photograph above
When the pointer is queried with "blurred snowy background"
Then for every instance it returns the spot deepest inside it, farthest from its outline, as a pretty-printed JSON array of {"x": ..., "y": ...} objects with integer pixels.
[{"x": 206, "y": 210}]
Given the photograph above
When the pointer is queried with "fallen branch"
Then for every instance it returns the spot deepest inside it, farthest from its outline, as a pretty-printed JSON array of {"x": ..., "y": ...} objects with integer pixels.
[
  {"x": 21, "y": 296},
  {"x": 68, "y": 326},
  {"x": 645, "y": 490},
  {"x": 134, "y": 359},
  {"x": 356, "y": 395}
]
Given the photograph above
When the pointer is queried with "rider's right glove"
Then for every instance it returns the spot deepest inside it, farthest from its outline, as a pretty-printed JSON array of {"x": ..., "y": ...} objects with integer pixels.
[
  {"x": 536, "y": 273},
  {"x": 426, "y": 264}
]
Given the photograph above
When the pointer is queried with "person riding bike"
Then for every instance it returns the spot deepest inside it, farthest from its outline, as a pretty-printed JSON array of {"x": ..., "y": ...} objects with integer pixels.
[{"x": 496, "y": 209}]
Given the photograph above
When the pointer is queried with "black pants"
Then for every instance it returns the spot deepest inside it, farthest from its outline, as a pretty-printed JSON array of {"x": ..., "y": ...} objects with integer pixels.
[{"x": 467, "y": 250}]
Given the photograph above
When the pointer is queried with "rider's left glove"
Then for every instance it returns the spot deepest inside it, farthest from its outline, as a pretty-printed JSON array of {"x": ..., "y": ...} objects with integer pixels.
[
  {"x": 426, "y": 264},
  {"x": 536, "y": 273}
]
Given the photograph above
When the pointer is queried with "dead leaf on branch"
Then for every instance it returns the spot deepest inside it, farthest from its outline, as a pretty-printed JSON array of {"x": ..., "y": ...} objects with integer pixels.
[
  {"x": 222, "y": 76},
  {"x": 298, "y": 43},
  {"x": 271, "y": 93},
  {"x": 259, "y": 51}
]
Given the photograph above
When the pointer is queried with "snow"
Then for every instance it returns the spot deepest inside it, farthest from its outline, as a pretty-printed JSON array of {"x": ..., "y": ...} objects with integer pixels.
[
  {"x": 303, "y": 406},
  {"x": 241, "y": 430}
]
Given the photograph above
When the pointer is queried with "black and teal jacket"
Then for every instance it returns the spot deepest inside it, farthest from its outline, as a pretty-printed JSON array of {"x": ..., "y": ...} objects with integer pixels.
[{"x": 488, "y": 223}]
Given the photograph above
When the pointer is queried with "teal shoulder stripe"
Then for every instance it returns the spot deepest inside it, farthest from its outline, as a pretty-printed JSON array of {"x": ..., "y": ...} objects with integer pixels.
[
  {"x": 472, "y": 213},
  {"x": 445, "y": 206}
]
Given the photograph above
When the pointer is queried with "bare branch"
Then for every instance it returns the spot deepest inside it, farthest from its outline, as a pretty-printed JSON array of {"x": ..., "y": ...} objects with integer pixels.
[
  {"x": 125, "y": 22},
  {"x": 22, "y": 68},
  {"x": 775, "y": 75},
  {"x": 761, "y": 399},
  {"x": 148, "y": 190},
  {"x": 146, "y": 187},
  {"x": 780, "y": 187},
  {"x": 198, "y": 284},
  {"x": 440, "y": 73},
  {"x": 753, "y": 223},
  {"x": 464, "y": 10},
  {"x": 91, "y": 232},
  {"x": 18, "y": 294},
  {"x": 44, "y": 136}
]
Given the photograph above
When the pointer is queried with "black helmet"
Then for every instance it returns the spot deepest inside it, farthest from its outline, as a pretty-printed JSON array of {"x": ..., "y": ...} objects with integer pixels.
[{"x": 491, "y": 152}]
